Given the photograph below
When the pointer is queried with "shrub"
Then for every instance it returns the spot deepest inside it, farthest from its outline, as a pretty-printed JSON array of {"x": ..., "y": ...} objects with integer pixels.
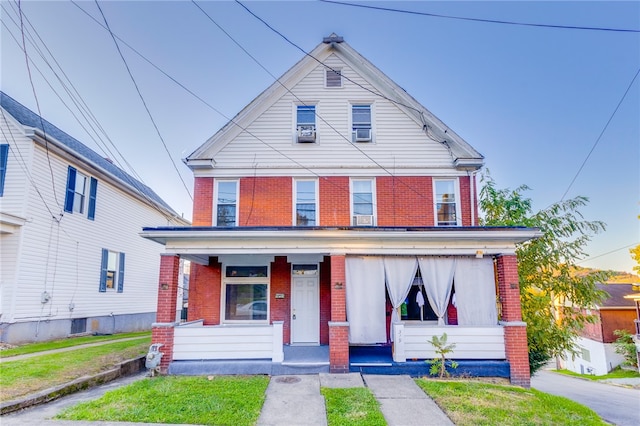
[{"x": 626, "y": 347}]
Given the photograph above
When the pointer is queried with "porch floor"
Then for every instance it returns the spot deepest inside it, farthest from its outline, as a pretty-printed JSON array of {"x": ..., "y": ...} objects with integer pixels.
[{"x": 315, "y": 359}]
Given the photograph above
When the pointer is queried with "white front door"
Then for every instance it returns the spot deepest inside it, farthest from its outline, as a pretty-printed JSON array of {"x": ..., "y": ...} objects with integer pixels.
[{"x": 305, "y": 311}]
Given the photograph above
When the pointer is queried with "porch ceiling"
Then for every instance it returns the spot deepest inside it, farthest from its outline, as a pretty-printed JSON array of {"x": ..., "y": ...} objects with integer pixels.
[{"x": 201, "y": 242}]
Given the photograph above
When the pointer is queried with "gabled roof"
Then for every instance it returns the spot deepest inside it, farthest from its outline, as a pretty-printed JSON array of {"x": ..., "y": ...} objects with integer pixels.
[
  {"x": 617, "y": 293},
  {"x": 28, "y": 118},
  {"x": 464, "y": 155}
]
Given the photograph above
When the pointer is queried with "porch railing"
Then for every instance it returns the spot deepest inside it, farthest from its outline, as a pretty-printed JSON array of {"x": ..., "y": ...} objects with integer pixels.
[
  {"x": 411, "y": 341},
  {"x": 195, "y": 341}
]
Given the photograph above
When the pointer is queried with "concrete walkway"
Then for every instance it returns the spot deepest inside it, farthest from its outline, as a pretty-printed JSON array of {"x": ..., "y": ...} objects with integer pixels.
[{"x": 296, "y": 400}]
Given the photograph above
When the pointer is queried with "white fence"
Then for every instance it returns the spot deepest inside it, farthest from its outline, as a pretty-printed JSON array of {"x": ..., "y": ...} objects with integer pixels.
[
  {"x": 195, "y": 341},
  {"x": 411, "y": 341}
]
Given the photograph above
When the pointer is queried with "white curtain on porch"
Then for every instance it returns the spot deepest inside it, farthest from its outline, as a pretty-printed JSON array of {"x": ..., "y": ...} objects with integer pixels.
[
  {"x": 437, "y": 275},
  {"x": 399, "y": 273},
  {"x": 365, "y": 300},
  {"x": 475, "y": 291}
]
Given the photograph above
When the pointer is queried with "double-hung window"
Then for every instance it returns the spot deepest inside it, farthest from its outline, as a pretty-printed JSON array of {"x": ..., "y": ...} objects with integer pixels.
[
  {"x": 446, "y": 202},
  {"x": 81, "y": 193},
  {"x": 363, "y": 201},
  {"x": 361, "y": 123},
  {"x": 4, "y": 155},
  {"x": 306, "y": 205},
  {"x": 112, "y": 271},
  {"x": 306, "y": 123},
  {"x": 226, "y": 203},
  {"x": 246, "y": 293}
]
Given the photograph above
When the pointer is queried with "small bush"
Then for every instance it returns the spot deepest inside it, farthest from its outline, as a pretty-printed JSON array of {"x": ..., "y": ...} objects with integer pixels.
[{"x": 626, "y": 347}]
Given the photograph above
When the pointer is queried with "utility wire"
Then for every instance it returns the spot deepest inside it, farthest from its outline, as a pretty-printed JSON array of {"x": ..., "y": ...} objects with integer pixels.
[
  {"x": 99, "y": 143},
  {"x": 601, "y": 133},
  {"x": 607, "y": 253},
  {"x": 115, "y": 41},
  {"x": 489, "y": 21},
  {"x": 35, "y": 95}
]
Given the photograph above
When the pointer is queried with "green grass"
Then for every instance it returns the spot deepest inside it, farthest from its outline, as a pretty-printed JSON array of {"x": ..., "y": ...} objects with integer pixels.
[
  {"x": 22, "y": 377},
  {"x": 616, "y": 373},
  {"x": 351, "y": 407},
  {"x": 65, "y": 343},
  {"x": 478, "y": 403},
  {"x": 223, "y": 400}
]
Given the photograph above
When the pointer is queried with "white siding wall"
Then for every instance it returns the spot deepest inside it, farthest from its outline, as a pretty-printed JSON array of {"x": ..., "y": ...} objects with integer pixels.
[
  {"x": 399, "y": 142},
  {"x": 13, "y": 202},
  {"x": 593, "y": 357},
  {"x": 471, "y": 342},
  {"x": 64, "y": 260}
]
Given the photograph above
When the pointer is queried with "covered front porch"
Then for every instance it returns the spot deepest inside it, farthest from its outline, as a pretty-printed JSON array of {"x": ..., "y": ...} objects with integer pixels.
[{"x": 243, "y": 320}]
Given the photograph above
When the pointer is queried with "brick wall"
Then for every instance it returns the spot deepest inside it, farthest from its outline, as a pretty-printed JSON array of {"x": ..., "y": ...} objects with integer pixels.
[
  {"x": 266, "y": 201},
  {"x": 281, "y": 283},
  {"x": 338, "y": 328},
  {"x": 405, "y": 201},
  {"x": 162, "y": 330},
  {"x": 202, "y": 201},
  {"x": 465, "y": 200},
  {"x": 334, "y": 201},
  {"x": 515, "y": 331},
  {"x": 338, "y": 348},
  {"x": 204, "y": 292}
]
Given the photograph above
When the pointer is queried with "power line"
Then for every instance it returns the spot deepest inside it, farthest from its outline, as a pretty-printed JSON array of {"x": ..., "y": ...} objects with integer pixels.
[
  {"x": 143, "y": 100},
  {"x": 489, "y": 21},
  {"x": 601, "y": 133},
  {"x": 35, "y": 95},
  {"x": 82, "y": 108},
  {"x": 609, "y": 252}
]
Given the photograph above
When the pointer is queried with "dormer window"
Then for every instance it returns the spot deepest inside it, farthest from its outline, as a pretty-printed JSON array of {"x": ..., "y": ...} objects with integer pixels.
[{"x": 306, "y": 124}]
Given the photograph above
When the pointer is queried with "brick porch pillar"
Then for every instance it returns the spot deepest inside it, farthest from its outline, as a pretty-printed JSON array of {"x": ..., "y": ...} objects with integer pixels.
[
  {"x": 162, "y": 329},
  {"x": 338, "y": 326},
  {"x": 515, "y": 330}
]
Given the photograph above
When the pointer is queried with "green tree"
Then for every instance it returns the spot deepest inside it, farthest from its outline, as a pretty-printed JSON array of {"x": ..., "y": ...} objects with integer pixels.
[{"x": 552, "y": 294}]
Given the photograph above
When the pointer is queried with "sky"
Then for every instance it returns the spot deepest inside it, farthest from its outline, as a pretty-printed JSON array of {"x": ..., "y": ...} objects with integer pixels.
[{"x": 552, "y": 108}]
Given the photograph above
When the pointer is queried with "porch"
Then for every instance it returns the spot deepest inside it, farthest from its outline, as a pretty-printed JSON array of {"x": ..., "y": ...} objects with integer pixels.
[{"x": 258, "y": 349}]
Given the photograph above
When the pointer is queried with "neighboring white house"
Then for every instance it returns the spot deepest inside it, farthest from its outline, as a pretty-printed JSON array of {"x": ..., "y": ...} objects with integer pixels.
[{"x": 71, "y": 258}]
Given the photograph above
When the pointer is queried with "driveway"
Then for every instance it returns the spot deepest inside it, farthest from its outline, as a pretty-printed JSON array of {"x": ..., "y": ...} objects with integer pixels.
[{"x": 615, "y": 404}]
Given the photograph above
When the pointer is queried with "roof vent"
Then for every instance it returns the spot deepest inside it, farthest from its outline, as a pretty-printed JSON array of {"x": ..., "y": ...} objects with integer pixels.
[{"x": 333, "y": 38}]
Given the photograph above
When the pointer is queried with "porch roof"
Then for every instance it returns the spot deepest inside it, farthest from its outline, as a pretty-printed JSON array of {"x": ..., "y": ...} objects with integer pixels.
[{"x": 198, "y": 243}]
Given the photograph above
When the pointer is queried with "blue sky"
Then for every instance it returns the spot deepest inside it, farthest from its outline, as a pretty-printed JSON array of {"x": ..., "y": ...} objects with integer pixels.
[{"x": 532, "y": 100}]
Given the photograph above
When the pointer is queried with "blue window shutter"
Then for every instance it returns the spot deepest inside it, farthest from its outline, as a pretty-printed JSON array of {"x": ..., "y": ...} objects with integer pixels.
[
  {"x": 4, "y": 154},
  {"x": 93, "y": 191},
  {"x": 103, "y": 270},
  {"x": 71, "y": 190},
  {"x": 121, "y": 274}
]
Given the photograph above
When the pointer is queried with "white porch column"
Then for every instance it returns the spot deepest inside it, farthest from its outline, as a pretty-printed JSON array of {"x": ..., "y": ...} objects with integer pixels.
[
  {"x": 278, "y": 350},
  {"x": 398, "y": 342}
]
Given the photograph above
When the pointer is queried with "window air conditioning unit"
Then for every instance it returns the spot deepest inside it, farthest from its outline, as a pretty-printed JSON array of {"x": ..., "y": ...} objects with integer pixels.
[
  {"x": 363, "y": 220},
  {"x": 363, "y": 135},
  {"x": 306, "y": 134}
]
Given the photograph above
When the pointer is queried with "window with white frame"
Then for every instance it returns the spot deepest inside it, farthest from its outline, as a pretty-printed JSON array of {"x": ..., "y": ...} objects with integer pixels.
[
  {"x": 446, "y": 202},
  {"x": 306, "y": 202},
  {"x": 226, "y": 199},
  {"x": 81, "y": 193},
  {"x": 361, "y": 124},
  {"x": 333, "y": 78},
  {"x": 246, "y": 293},
  {"x": 112, "y": 271},
  {"x": 363, "y": 201},
  {"x": 306, "y": 123}
]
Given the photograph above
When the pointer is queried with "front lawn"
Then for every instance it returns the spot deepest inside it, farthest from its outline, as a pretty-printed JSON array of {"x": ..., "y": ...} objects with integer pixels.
[
  {"x": 352, "y": 407},
  {"x": 22, "y": 377},
  {"x": 476, "y": 403},
  {"x": 616, "y": 373},
  {"x": 221, "y": 400}
]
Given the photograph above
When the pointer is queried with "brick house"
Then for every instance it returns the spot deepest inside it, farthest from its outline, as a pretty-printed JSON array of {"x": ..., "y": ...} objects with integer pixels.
[{"x": 336, "y": 212}]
